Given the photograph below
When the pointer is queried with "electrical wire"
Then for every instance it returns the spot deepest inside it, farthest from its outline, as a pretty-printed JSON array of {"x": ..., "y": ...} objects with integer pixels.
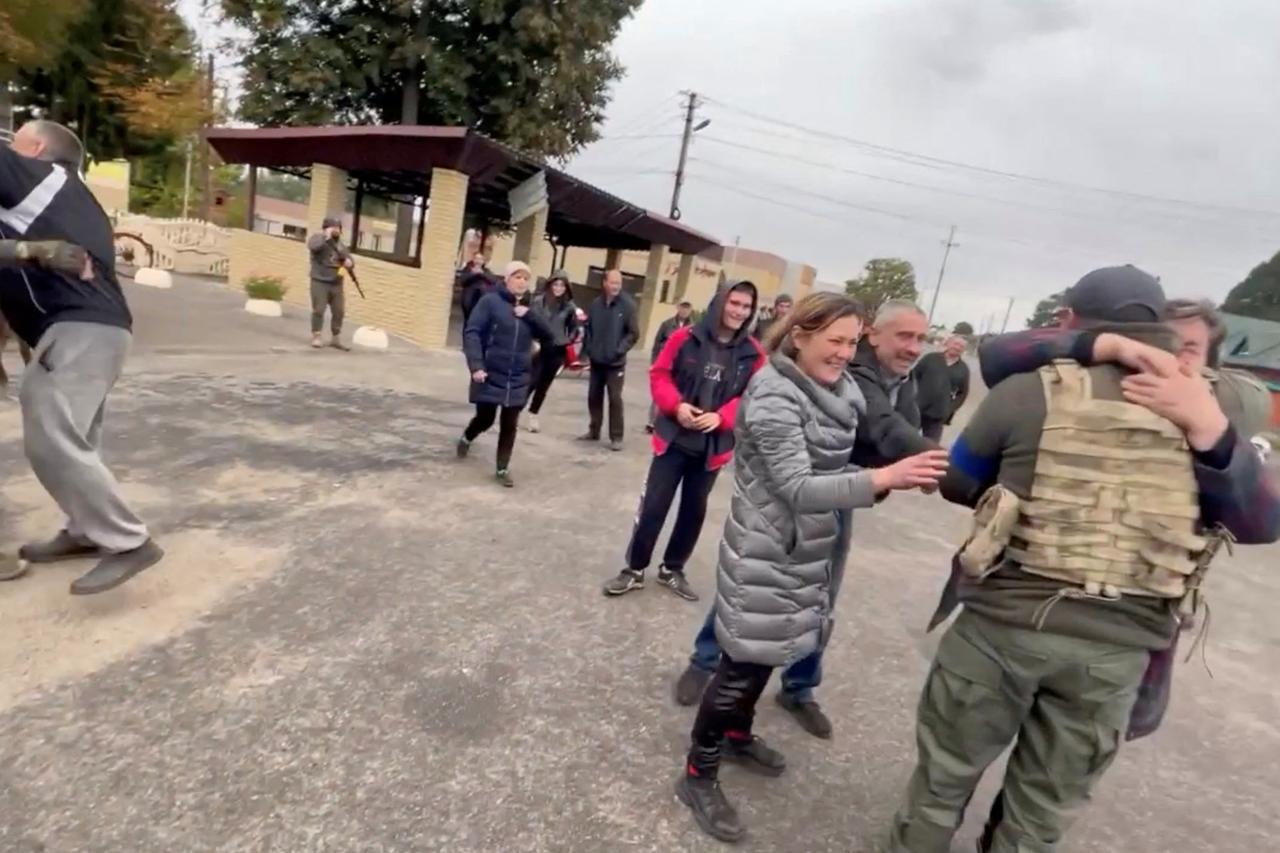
[{"x": 904, "y": 155}]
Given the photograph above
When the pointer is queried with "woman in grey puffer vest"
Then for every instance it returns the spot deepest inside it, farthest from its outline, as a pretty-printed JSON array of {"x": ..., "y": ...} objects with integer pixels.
[{"x": 787, "y": 536}]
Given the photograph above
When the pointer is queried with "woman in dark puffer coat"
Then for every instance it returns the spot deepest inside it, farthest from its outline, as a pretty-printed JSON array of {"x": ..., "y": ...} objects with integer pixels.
[{"x": 498, "y": 342}]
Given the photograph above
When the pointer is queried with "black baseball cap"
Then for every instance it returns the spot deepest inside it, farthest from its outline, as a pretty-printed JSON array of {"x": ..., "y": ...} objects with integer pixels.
[
  {"x": 332, "y": 221},
  {"x": 1117, "y": 295}
]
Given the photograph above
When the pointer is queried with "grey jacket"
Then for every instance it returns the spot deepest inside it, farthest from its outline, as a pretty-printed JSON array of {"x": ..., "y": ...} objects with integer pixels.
[
  {"x": 326, "y": 257},
  {"x": 787, "y": 536}
]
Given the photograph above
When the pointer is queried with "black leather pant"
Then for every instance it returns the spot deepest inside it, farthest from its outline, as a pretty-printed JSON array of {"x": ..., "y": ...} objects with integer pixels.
[{"x": 728, "y": 708}]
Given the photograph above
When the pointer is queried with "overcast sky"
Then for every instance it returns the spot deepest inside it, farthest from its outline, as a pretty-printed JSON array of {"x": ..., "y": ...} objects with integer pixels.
[
  {"x": 1143, "y": 97},
  {"x": 1146, "y": 99}
]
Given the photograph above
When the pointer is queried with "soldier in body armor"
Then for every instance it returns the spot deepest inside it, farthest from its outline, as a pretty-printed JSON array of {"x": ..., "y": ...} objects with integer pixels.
[{"x": 1104, "y": 490}]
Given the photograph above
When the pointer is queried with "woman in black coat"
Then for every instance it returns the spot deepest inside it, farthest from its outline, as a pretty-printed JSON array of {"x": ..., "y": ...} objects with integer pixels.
[
  {"x": 498, "y": 342},
  {"x": 555, "y": 304}
]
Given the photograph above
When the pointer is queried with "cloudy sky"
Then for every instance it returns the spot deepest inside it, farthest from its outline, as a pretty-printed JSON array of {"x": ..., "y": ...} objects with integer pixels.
[
  {"x": 1151, "y": 124},
  {"x": 1143, "y": 132}
]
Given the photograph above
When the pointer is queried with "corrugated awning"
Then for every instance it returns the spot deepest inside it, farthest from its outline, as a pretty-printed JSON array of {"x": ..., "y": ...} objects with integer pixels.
[{"x": 398, "y": 160}]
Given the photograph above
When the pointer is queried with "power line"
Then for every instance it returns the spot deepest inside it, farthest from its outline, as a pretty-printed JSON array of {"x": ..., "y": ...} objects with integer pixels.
[
  {"x": 926, "y": 159},
  {"x": 819, "y": 164}
]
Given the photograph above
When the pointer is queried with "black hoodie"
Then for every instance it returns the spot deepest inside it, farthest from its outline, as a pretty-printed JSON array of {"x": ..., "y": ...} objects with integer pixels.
[{"x": 695, "y": 367}]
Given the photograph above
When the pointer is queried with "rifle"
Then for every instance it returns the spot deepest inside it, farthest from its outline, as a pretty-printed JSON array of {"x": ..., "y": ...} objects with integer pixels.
[{"x": 351, "y": 271}]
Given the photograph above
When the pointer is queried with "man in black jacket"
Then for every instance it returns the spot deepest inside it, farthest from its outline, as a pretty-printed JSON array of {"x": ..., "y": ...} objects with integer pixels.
[
  {"x": 890, "y": 431},
  {"x": 611, "y": 332},
  {"x": 80, "y": 333},
  {"x": 942, "y": 383}
]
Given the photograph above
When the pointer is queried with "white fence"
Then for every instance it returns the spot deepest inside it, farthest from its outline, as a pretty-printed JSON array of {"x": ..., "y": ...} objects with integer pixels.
[{"x": 190, "y": 246}]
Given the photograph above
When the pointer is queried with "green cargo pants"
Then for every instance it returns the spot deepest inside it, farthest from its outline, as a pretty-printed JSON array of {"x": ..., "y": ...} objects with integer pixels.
[{"x": 1066, "y": 701}]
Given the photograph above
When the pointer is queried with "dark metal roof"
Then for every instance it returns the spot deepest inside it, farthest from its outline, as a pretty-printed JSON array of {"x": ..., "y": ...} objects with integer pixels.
[{"x": 397, "y": 161}]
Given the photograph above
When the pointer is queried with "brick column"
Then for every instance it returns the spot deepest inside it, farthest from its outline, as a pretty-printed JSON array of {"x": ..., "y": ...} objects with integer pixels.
[
  {"x": 531, "y": 241},
  {"x": 612, "y": 259},
  {"x": 440, "y": 240},
  {"x": 328, "y": 195},
  {"x": 683, "y": 276},
  {"x": 652, "y": 310}
]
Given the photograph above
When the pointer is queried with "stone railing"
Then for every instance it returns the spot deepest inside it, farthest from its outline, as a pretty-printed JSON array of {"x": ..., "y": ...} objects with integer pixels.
[{"x": 189, "y": 246}]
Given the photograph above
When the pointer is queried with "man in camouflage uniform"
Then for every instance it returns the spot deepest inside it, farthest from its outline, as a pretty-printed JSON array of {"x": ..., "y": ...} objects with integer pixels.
[{"x": 1098, "y": 488}]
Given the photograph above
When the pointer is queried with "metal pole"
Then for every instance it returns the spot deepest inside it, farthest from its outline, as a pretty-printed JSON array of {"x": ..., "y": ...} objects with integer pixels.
[
  {"x": 684, "y": 153},
  {"x": 186, "y": 185},
  {"x": 942, "y": 270},
  {"x": 208, "y": 151},
  {"x": 1007, "y": 312}
]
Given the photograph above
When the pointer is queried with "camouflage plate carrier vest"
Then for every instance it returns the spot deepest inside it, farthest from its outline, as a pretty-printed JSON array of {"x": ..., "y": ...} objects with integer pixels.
[{"x": 1114, "y": 505}]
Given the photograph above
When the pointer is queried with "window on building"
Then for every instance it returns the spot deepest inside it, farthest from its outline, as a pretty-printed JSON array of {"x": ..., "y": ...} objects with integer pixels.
[{"x": 666, "y": 290}]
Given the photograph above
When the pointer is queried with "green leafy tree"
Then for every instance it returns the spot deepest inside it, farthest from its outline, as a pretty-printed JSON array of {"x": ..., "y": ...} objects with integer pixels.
[
  {"x": 124, "y": 77},
  {"x": 963, "y": 328},
  {"x": 882, "y": 280},
  {"x": 1046, "y": 311},
  {"x": 535, "y": 75},
  {"x": 31, "y": 31},
  {"x": 1259, "y": 294}
]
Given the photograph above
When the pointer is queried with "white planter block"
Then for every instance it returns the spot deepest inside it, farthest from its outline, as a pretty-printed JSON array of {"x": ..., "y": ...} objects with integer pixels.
[
  {"x": 264, "y": 307},
  {"x": 151, "y": 277},
  {"x": 370, "y": 337}
]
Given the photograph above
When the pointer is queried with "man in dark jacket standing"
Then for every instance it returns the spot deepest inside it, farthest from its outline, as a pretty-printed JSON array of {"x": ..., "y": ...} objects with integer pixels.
[
  {"x": 611, "y": 332},
  {"x": 328, "y": 256},
  {"x": 942, "y": 384},
  {"x": 782, "y": 304},
  {"x": 682, "y": 318},
  {"x": 477, "y": 280},
  {"x": 80, "y": 333},
  {"x": 696, "y": 381}
]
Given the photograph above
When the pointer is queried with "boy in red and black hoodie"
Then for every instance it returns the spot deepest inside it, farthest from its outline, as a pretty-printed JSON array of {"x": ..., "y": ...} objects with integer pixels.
[{"x": 696, "y": 383}]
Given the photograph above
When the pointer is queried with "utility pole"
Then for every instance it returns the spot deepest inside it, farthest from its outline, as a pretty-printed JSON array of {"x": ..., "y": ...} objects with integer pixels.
[
  {"x": 1007, "y": 312},
  {"x": 186, "y": 185},
  {"x": 207, "y": 157},
  {"x": 687, "y": 137},
  {"x": 950, "y": 244}
]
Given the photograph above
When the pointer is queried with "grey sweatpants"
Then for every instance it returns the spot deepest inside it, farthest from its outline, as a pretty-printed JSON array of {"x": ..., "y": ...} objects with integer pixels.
[
  {"x": 63, "y": 396},
  {"x": 327, "y": 294}
]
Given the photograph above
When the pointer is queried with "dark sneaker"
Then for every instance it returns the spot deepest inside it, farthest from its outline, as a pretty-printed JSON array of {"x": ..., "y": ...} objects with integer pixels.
[
  {"x": 589, "y": 436},
  {"x": 754, "y": 755},
  {"x": 12, "y": 568},
  {"x": 114, "y": 569},
  {"x": 464, "y": 447},
  {"x": 690, "y": 684},
  {"x": 64, "y": 546},
  {"x": 808, "y": 714},
  {"x": 625, "y": 581},
  {"x": 337, "y": 343},
  {"x": 615, "y": 445},
  {"x": 711, "y": 809},
  {"x": 504, "y": 477},
  {"x": 675, "y": 582}
]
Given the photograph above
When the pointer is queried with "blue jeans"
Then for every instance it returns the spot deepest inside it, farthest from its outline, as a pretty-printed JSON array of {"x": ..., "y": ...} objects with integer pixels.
[{"x": 798, "y": 680}]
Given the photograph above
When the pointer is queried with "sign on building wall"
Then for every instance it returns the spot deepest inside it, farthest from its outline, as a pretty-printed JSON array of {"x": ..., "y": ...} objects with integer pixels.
[{"x": 528, "y": 198}]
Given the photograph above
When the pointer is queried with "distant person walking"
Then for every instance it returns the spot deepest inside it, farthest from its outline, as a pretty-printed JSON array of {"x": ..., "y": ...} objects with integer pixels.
[
  {"x": 683, "y": 317},
  {"x": 611, "y": 332},
  {"x": 476, "y": 282},
  {"x": 555, "y": 305},
  {"x": 79, "y": 332},
  {"x": 782, "y": 305},
  {"x": 328, "y": 256},
  {"x": 498, "y": 341},
  {"x": 942, "y": 386}
]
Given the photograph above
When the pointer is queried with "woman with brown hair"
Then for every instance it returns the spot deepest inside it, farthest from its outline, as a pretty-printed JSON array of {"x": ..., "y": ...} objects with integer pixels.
[{"x": 782, "y": 556}]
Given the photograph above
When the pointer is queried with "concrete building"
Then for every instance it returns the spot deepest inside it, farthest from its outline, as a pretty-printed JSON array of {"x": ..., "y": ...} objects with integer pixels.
[{"x": 453, "y": 178}]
